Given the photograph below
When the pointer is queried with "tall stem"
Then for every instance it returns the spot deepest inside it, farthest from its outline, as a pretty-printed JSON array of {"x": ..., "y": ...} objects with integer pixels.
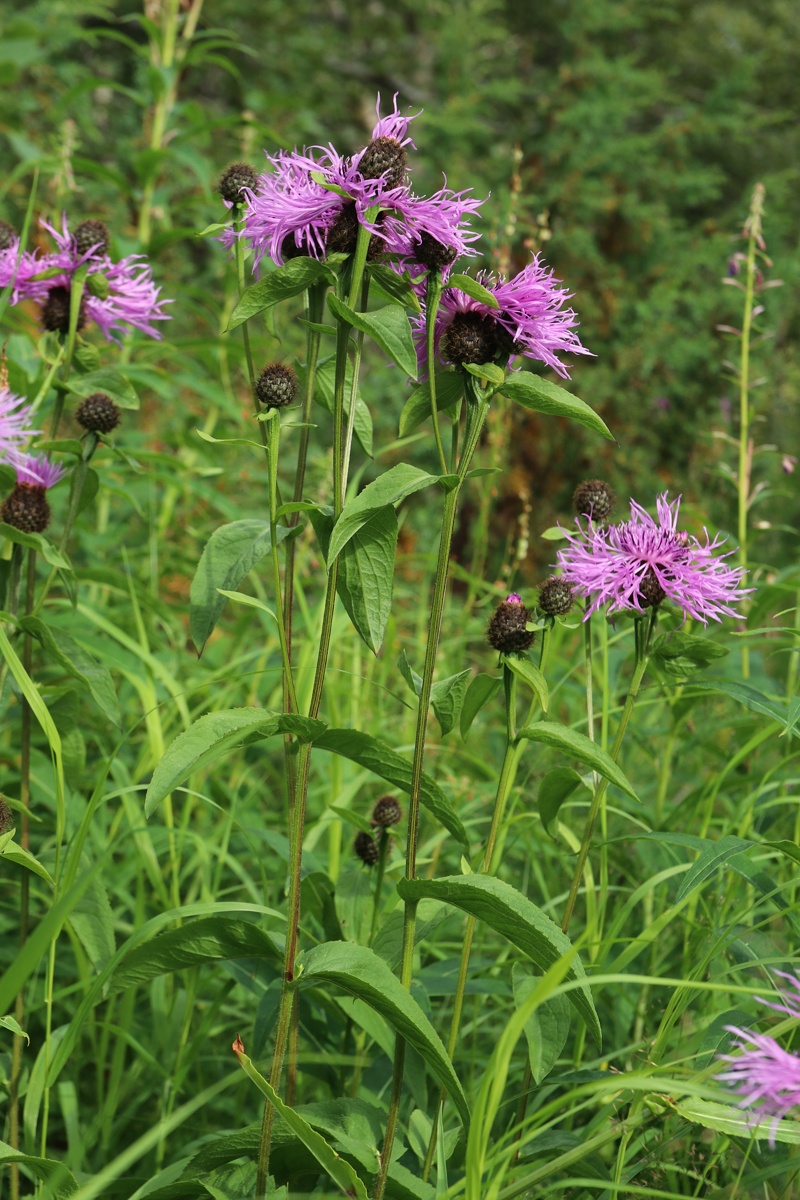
[
  {"x": 478, "y": 407},
  {"x": 643, "y": 638},
  {"x": 78, "y": 483}
]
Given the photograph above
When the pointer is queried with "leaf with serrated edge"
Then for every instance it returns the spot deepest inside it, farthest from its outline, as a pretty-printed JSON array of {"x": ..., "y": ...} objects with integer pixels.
[
  {"x": 212, "y": 736},
  {"x": 540, "y": 395},
  {"x": 390, "y": 488},
  {"x": 514, "y": 916},
  {"x": 577, "y": 745},
  {"x": 366, "y": 576},
  {"x": 290, "y": 280},
  {"x": 417, "y": 408},
  {"x": 361, "y": 972},
  {"x": 388, "y": 327}
]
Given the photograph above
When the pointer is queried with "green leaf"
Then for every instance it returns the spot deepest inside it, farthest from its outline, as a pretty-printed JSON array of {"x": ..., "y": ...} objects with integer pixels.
[
  {"x": 324, "y": 390},
  {"x": 212, "y": 736},
  {"x": 109, "y": 380},
  {"x": 93, "y": 921},
  {"x": 447, "y": 699},
  {"x": 61, "y": 1183},
  {"x": 362, "y": 973},
  {"x": 208, "y": 939},
  {"x": 712, "y": 857},
  {"x": 229, "y": 555},
  {"x": 23, "y": 858},
  {"x": 744, "y": 694},
  {"x": 335, "y": 1167},
  {"x": 291, "y": 279},
  {"x": 390, "y": 488},
  {"x": 547, "y": 1029},
  {"x": 14, "y": 1026},
  {"x": 479, "y": 693},
  {"x": 471, "y": 287},
  {"x": 366, "y": 576},
  {"x": 417, "y": 408},
  {"x": 540, "y": 395},
  {"x": 514, "y": 916},
  {"x": 682, "y": 654},
  {"x": 387, "y": 764},
  {"x": 35, "y": 541},
  {"x": 388, "y": 327},
  {"x": 577, "y": 745},
  {"x": 237, "y": 441},
  {"x": 80, "y": 664},
  {"x": 489, "y": 371},
  {"x": 248, "y": 601},
  {"x": 556, "y": 787},
  {"x": 525, "y": 670},
  {"x": 394, "y": 287},
  {"x": 730, "y": 1119}
]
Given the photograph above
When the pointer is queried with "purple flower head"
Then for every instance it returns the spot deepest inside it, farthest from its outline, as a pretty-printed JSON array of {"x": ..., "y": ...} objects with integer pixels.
[
  {"x": 513, "y": 598},
  {"x": 292, "y": 209},
  {"x": 20, "y": 269},
  {"x": 15, "y": 418},
  {"x": 529, "y": 320},
  {"x": 123, "y": 295},
  {"x": 641, "y": 562},
  {"x": 434, "y": 230},
  {"x": 36, "y": 470},
  {"x": 765, "y": 1076}
]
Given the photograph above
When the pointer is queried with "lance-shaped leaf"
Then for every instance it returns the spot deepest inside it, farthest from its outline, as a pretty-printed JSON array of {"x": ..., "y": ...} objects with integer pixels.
[
  {"x": 479, "y": 693},
  {"x": 362, "y": 973},
  {"x": 366, "y": 576},
  {"x": 229, "y": 555},
  {"x": 471, "y": 287},
  {"x": 387, "y": 764},
  {"x": 417, "y": 408},
  {"x": 390, "y": 488},
  {"x": 335, "y": 1167},
  {"x": 525, "y": 670},
  {"x": 388, "y": 327},
  {"x": 291, "y": 279},
  {"x": 207, "y": 939},
  {"x": 324, "y": 391},
  {"x": 78, "y": 662},
  {"x": 577, "y": 745},
  {"x": 542, "y": 396},
  {"x": 514, "y": 916},
  {"x": 213, "y": 736}
]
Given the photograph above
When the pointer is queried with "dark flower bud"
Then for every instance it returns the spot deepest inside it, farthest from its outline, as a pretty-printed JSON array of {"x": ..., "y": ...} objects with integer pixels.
[
  {"x": 97, "y": 413},
  {"x": 594, "y": 498},
  {"x": 27, "y": 508},
  {"x": 506, "y": 631},
  {"x": 91, "y": 235},
  {"x": 276, "y": 386},
  {"x": 386, "y": 812},
  {"x": 6, "y": 815},
  {"x": 98, "y": 286},
  {"x": 55, "y": 311},
  {"x": 235, "y": 177},
  {"x": 651, "y": 593},
  {"x": 8, "y": 235},
  {"x": 555, "y": 597},
  {"x": 433, "y": 254},
  {"x": 366, "y": 848},
  {"x": 384, "y": 158},
  {"x": 469, "y": 338},
  {"x": 343, "y": 234}
]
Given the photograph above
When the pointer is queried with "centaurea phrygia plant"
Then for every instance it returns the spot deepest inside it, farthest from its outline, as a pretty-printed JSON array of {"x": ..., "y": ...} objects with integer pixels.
[{"x": 765, "y": 1076}]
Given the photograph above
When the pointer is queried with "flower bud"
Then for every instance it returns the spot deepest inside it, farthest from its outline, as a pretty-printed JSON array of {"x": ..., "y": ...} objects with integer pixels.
[
  {"x": 651, "y": 593},
  {"x": 384, "y": 158},
  {"x": 276, "y": 386},
  {"x": 6, "y": 815},
  {"x": 235, "y": 177},
  {"x": 469, "y": 338},
  {"x": 91, "y": 235},
  {"x": 55, "y": 311},
  {"x": 433, "y": 254},
  {"x": 8, "y": 235},
  {"x": 366, "y": 848},
  {"x": 386, "y": 812},
  {"x": 594, "y": 499},
  {"x": 27, "y": 508},
  {"x": 97, "y": 413},
  {"x": 555, "y": 597},
  {"x": 506, "y": 631}
]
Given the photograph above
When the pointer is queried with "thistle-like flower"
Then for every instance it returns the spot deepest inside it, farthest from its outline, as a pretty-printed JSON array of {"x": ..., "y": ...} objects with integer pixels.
[
  {"x": 507, "y": 629},
  {"x": 116, "y": 294},
  {"x": 766, "y": 1077},
  {"x": 27, "y": 507},
  {"x": 20, "y": 268},
  {"x": 433, "y": 231},
  {"x": 530, "y": 320},
  {"x": 639, "y": 563},
  {"x": 15, "y": 418},
  {"x": 297, "y": 207}
]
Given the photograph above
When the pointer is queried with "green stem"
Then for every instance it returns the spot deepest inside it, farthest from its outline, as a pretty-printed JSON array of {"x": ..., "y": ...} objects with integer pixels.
[
  {"x": 76, "y": 492},
  {"x": 383, "y": 849},
  {"x": 477, "y": 409},
  {"x": 753, "y": 228},
  {"x": 643, "y": 639},
  {"x": 273, "y": 448},
  {"x": 298, "y": 808},
  {"x": 432, "y": 298}
]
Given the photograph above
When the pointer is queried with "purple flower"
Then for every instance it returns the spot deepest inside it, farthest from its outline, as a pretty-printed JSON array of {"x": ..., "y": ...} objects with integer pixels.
[
  {"x": 433, "y": 231},
  {"x": 36, "y": 470},
  {"x": 293, "y": 210},
  {"x": 529, "y": 320},
  {"x": 122, "y": 295},
  {"x": 20, "y": 269},
  {"x": 766, "y": 1076},
  {"x": 639, "y": 563},
  {"x": 15, "y": 418}
]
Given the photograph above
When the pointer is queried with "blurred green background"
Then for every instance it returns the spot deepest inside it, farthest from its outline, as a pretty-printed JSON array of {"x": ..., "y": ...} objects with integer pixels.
[{"x": 622, "y": 139}]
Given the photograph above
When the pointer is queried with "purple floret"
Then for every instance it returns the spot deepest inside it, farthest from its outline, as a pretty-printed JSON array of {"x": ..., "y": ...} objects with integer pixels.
[
  {"x": 444, "y": 217},
  {"x": 36, "y": 469},
  {"x": 20, "y": 270},
  {"x": 15, "y": 418},
  {"x": 609, "y": 565}
]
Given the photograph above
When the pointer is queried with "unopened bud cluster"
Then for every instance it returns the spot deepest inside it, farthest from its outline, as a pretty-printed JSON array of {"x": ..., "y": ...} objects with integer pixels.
[{"x": 235, "y": 177}]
